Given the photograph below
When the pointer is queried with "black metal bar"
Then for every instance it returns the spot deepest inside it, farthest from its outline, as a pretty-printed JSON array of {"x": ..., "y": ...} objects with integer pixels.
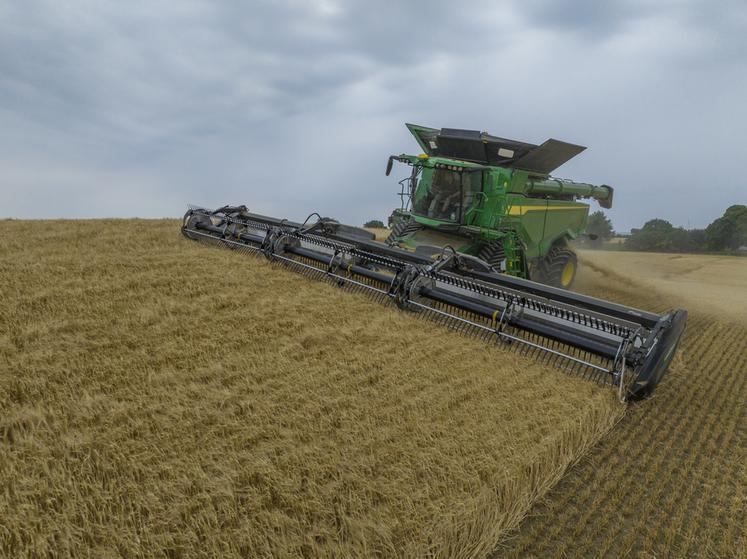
[
  {"x": 360, "y": 270},
  {"x": 593, "y": 304},
  {"x": 563, "y": 336},
  {"x": 251, "y": 238}
]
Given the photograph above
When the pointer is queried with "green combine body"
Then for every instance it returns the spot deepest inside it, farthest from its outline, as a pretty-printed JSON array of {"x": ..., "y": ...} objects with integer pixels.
[{"x": 493, "y": 199}]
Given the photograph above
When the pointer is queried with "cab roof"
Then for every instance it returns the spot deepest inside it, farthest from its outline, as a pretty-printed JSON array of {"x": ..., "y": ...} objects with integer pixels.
[{"x": 481, "y": 147}]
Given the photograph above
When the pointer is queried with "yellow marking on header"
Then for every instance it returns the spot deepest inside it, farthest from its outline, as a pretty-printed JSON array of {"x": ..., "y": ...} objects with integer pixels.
[{"x": 521, "y": 210}]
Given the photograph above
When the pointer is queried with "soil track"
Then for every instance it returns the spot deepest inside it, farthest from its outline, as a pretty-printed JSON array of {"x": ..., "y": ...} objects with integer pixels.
[{"x": 670, "y": 480}]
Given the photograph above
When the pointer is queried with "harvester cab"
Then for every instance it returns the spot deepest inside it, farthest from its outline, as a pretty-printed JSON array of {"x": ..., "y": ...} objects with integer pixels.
[
  {"x": 494, "y": 199},
  {"x": 480, "y": 215}
]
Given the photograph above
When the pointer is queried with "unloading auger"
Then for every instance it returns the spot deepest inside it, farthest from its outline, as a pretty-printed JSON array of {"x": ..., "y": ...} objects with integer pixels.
[{"x": 624, "y": 347}]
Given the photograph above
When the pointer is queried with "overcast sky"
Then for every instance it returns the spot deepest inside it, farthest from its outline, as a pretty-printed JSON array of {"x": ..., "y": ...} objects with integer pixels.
[{"x": 138, "y": 108}]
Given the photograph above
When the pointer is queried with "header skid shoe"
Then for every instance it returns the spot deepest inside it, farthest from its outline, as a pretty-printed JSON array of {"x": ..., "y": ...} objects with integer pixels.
[{"x": 626, "y": 348}]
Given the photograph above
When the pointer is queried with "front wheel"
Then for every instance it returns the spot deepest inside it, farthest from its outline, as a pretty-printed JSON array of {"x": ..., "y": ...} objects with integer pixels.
[
  {"x": 558, "y": 267},
  {"x": 402, "y": 228}
]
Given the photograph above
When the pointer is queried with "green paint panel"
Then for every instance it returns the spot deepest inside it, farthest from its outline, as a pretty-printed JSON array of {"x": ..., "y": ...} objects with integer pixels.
[{"x": 491, "y": 211}]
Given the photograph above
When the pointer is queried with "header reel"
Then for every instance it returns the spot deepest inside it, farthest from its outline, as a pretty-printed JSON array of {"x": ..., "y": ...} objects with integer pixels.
[{"x": 626, "y": 348}]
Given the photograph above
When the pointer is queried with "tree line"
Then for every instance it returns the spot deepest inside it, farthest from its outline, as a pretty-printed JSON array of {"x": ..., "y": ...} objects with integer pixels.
[{"x": 726, "y": 233}]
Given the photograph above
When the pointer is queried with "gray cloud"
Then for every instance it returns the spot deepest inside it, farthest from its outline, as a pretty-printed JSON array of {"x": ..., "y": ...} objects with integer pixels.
[{"x": 138, "y": 108}]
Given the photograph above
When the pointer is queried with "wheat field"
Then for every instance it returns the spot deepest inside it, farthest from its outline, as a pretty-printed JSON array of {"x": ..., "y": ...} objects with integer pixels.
[{"x": 162, "y": 398}]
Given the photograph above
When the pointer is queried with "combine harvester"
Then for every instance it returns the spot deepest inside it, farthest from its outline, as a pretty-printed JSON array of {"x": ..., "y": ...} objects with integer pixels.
[{"x": 482, "y": 223}]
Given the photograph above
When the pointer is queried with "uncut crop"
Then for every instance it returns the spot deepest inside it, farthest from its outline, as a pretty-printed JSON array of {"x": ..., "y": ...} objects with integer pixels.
[{"x": 162, "y": 398}]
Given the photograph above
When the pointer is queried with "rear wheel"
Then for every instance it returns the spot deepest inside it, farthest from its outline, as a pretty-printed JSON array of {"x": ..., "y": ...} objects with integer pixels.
[{"x": 558, "y": 267}]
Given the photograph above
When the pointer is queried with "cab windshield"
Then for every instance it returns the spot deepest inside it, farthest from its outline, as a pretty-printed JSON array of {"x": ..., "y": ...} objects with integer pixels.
[{"x": 449, "y": 194}]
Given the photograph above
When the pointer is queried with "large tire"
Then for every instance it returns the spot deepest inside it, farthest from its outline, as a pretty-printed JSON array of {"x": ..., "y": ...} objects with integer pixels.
[
  {"x": 401, "y": 228},
  {"x": 558, "y": 267},
  {"x": 493, "y": 254}
]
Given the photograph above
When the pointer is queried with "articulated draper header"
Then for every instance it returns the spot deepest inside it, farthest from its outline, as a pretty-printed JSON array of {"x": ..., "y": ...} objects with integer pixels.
[{"x": 627, "y": 348}]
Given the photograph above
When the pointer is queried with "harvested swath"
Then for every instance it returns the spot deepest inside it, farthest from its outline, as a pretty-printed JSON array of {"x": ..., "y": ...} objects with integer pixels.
[
  {"x": 708, "y": 283},
  {"x": 671, "y": 479},
  {"x": 161, "y": 398}
]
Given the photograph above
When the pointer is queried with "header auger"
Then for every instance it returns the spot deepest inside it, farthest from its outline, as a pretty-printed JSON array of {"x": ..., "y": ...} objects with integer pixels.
[
  {"x": 626, "y": 348},
  {"x": 480, "y": 219}
]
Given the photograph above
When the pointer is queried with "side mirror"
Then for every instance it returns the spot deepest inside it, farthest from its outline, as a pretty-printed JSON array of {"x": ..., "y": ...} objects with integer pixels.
[{"x": 389, "y": 165}]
